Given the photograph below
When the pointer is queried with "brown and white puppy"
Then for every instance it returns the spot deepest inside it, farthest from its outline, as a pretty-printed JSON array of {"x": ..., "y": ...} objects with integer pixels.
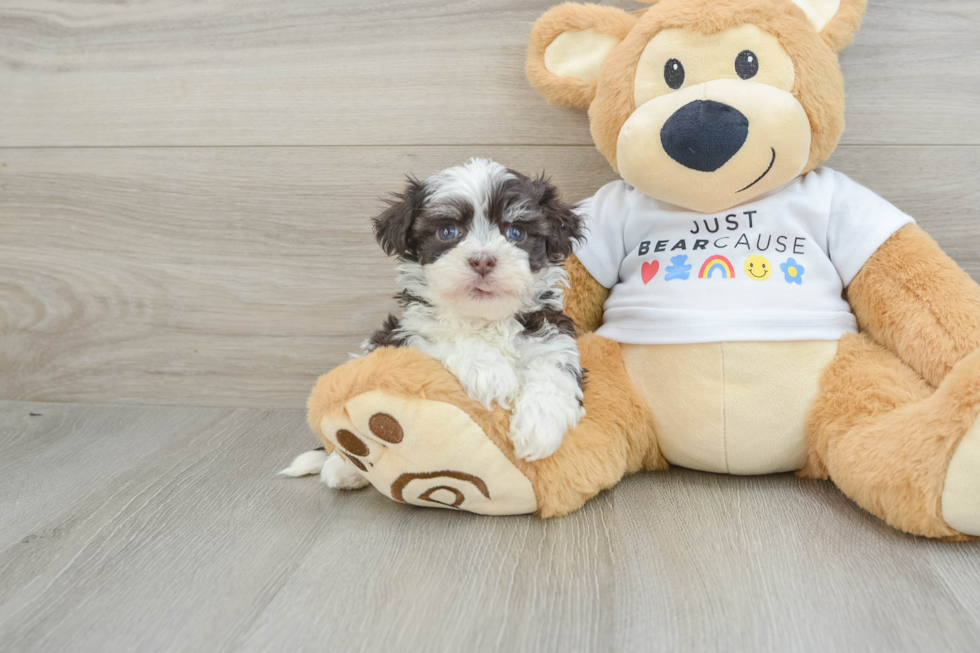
[{"x": 480, "y": 278}]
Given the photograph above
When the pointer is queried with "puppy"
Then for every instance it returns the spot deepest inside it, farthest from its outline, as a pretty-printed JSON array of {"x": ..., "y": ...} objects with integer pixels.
[{"x": 481, "y": 283}]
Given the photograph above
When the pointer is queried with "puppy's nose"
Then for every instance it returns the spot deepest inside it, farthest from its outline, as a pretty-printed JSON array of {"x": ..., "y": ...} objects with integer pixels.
[
  {"x": 483, "y": 264},
  {"x": 703, "y": 135}
]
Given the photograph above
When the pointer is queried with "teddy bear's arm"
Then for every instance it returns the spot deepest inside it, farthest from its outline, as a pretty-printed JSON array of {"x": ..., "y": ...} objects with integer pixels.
[
  {"x": 585, "y": 297},
  {"x": 914, "y": 299}
]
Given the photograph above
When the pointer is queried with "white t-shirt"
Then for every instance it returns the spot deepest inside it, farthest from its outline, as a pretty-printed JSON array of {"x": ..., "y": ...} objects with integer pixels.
[{"x": 771, "y": 269}]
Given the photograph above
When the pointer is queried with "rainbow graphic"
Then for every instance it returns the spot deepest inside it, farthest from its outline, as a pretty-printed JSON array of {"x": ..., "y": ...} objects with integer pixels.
[{"x": 717, "y": 263}]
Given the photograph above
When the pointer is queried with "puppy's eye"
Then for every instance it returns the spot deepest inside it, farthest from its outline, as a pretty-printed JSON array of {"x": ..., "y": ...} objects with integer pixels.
[
  {"x": 746, "y": 64},
  {"x": 448, "y": 232},
  {"x": 515, "y": 234},
  {"x": 674, "y": 74}
]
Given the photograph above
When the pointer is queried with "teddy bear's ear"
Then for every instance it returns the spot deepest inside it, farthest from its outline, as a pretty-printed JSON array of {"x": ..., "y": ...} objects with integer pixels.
[
  {"x": 836, "y": 20},
  {"x": 568, "y": 47}
]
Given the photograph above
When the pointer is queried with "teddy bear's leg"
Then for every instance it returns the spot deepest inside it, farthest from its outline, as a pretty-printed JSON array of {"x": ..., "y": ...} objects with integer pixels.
[
  {"x": 404, "y": 420},
  {"x": 901, "y": 449},
  {"x": 405, "y": 424},
  {"x": 616, "y": 437}
]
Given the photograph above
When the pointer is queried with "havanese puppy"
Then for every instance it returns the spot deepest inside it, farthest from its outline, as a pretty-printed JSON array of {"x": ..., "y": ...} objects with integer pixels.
[{"x": 480, "y": 281}]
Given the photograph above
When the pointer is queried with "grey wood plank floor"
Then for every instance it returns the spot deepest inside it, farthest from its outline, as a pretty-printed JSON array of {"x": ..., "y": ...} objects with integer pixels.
[{"x": 136, "y": 528}]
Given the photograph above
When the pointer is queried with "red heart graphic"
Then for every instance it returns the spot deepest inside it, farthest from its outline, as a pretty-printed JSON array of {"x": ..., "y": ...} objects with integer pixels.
[{"x": 649, "y": 271}]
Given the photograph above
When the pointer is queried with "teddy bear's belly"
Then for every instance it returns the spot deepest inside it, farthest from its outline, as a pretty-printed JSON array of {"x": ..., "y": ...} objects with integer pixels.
[{"x": 733, "y": 407}]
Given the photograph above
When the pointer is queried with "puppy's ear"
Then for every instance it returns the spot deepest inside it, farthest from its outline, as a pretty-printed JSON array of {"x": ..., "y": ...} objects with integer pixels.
[
  {"x": 393, "y": 228},
  {"x": 564, "y": 225}
]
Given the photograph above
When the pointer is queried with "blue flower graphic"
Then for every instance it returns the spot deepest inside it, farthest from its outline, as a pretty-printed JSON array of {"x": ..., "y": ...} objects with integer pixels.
[
  {"x": 678, "y": 269},
  {"x": 793, "y": 271}
]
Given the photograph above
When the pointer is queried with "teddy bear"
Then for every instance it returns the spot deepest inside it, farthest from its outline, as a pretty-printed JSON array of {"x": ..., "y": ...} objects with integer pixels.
[{"x": 740, "y": 308}]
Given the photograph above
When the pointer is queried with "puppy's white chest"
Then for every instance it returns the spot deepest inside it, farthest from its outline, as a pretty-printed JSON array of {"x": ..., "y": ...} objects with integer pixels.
[
  {"x": 485, "y": 364},
  {"x": 446, "y": 340}
]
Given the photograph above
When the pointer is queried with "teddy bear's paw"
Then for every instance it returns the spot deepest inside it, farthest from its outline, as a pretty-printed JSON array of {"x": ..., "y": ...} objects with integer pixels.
[
  {"x": 427, "y": 453},
  {"x": 339, "y": 474},
  {"x": 961, "y": 492}
]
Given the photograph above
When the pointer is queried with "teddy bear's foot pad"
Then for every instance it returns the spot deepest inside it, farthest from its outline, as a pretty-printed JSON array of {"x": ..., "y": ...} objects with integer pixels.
[
  {"x": 961, "y": 493},
  {"x": 427, "y": 453}
]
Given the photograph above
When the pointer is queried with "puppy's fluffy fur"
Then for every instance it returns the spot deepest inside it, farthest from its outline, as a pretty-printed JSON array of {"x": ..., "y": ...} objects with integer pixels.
[{"x": 480, "y": 278}]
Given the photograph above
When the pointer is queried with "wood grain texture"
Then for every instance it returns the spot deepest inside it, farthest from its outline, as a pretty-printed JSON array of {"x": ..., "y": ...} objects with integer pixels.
[
  {"x": 235, "y": 276},
  {"x": 234, "y": 264},
  {"x": 391, "y": 72},
  {"x": 182, "y": 538}
]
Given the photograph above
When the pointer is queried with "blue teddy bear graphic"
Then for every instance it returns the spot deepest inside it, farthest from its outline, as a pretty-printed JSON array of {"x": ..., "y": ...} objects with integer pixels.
[{"x": 678, "y": 269}]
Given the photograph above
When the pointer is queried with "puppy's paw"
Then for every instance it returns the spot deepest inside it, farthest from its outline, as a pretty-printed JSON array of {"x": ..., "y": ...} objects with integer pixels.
[
  {"x": 339, "y": 474},
  {"x": 489, "y": 380},
  {"x": 307, "y": 463},
  {"x": 541, "y": 419}
]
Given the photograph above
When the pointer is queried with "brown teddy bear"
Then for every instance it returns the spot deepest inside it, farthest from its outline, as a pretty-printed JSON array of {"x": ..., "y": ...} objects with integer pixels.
[{"x": 753, "y": 312}]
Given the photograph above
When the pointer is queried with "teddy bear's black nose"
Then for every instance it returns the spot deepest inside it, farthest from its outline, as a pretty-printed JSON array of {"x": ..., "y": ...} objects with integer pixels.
[{"x": 703, "y": 135}]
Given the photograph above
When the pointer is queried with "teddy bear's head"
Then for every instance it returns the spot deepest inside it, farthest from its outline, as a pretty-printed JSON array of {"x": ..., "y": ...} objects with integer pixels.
[{"x": 702, "y": 103}]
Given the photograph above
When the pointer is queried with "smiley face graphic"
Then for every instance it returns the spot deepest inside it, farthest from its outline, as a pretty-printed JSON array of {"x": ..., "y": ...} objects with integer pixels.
[{"x": 758, "y": 267}]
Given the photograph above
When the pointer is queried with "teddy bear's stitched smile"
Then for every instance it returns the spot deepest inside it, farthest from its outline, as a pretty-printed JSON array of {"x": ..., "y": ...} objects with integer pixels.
[{"x": 773, "y": 161}]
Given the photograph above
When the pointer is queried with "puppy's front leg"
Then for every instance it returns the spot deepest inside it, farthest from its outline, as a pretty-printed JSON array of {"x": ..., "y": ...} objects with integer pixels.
[
  {"x": 486, "y": 375},
  {"x": 550, "y": 404}
]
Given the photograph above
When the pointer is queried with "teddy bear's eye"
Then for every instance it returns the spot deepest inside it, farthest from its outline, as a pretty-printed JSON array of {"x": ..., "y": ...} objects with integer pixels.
[
  {"x": 674, "y": 74},
  {"x": 746, "y": 64}
]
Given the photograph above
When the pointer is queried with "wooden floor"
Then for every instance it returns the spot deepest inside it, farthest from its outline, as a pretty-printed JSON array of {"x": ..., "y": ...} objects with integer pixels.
[
  {"x": 185, "y": 195},
  {"x": 165, "y": 529}
]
